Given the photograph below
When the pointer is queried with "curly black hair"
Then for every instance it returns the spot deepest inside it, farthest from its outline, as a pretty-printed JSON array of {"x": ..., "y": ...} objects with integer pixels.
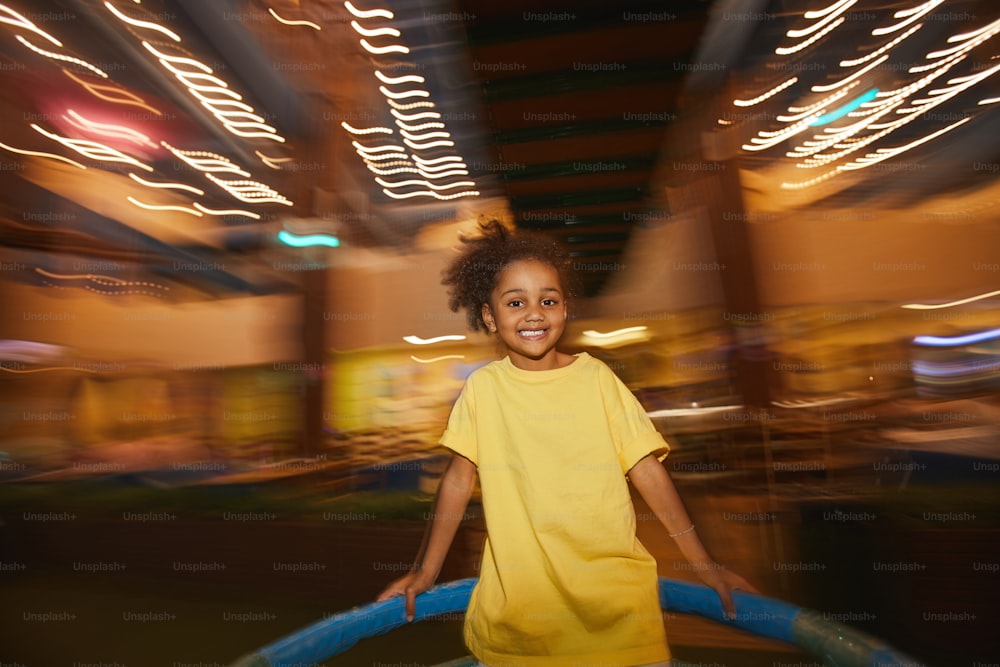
[{"x": 472, "y": 275}]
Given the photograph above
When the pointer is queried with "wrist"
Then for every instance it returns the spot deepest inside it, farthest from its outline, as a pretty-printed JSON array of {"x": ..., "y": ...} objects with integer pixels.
[
  {"x": 679, "y": 533},
  {"x": 708, "y": 566}
]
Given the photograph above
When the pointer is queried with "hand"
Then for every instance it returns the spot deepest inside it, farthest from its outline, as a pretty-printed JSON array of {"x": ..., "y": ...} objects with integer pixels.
[
  {"x": 411, "y": 585},
  {"x": 725, "y": 582}
]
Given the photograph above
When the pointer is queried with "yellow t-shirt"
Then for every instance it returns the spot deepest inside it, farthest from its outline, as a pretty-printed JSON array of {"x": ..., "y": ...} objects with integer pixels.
[{"x": 564, "y": 581}]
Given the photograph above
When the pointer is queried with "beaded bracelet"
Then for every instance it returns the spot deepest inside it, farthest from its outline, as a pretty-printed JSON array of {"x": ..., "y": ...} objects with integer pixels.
[{"x": 683, "y": 532}]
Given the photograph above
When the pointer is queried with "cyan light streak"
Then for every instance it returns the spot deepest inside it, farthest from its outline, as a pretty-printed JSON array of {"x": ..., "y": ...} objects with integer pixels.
[
  {"x": 307, "y": 241},
  {"x": 839, "y": 113}
]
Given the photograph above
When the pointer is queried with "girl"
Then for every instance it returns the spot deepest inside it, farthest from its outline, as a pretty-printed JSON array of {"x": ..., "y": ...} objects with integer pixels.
[{"x": 564, "y": 581}]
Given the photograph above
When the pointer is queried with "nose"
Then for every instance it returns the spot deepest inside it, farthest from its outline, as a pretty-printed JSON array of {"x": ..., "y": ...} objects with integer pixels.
[{"x": 533, "y": 313}]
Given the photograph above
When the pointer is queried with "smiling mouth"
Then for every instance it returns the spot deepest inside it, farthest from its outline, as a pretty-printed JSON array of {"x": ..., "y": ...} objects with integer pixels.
[{"x": 532, "y": 334}]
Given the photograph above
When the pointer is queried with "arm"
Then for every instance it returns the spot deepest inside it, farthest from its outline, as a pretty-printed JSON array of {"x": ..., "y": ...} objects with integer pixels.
[
  {"x": 655, "y": 486},
  {"x": 457, "y": 483}
]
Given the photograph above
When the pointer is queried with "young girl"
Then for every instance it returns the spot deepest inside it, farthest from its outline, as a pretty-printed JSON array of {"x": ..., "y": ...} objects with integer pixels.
[{"x": 564, "y": 581}]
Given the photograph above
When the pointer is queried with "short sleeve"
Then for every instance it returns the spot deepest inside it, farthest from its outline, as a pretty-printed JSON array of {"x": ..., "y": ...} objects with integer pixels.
[
  {"x": 460, "y": 434},
  {"x": 633, "y": 432}
]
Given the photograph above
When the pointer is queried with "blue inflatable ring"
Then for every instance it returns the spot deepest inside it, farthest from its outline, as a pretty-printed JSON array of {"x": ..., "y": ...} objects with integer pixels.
[{"x": 832, "y": 642}]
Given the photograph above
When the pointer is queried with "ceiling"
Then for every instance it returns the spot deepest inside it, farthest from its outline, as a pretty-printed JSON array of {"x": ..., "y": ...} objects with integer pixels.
[
  {"x": 561, "y": 111},
  {"x": 578, "y": 97}
]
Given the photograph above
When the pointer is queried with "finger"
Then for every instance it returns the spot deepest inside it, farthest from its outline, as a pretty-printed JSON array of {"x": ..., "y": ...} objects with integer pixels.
[
  {"x": 744, "y": 585},
  {"x": 386, "y": 594},
  {"x": 411, "y": 605},
  {"x": 728, "y": 608}
]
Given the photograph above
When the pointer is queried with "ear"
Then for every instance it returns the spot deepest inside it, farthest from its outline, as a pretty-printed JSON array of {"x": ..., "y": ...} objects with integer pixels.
[{"x": 487, "y": 315}]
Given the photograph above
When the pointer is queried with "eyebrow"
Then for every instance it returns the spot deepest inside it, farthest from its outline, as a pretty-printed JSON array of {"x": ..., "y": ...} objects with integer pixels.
[{"x": 521, "y": 289}]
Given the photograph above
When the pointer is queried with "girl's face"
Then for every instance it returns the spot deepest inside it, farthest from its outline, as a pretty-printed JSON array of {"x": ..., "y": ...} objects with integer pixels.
[{"x": 527, "y": 310}]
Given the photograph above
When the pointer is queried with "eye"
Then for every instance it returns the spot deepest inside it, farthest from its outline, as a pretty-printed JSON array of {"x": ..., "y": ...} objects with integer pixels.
[
  {"x": 516, "y": 303},
  {"x": 550, "y": 302}
]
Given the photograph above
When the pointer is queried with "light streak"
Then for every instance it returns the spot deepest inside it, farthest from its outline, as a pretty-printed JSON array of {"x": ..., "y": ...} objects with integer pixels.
[
  {"x": 308, "y": 24},
  {"x": 93, "y": 149},
  {"x": 50, "y": 368},
  {"x": 959, "y": 302},
  {"x": 942, "y": 341},
  {"x": 105, "y": 281},
  {"x": 430, "y": 193},
  {"x": 251, "y": 192},
  {"x": 415, "y": 116},
  {"x": 423, "y": 104},
  {"x": 272, "y": 162},
  {"x": 378, "y": 32},
  {"x": 417, "y": 340},
  {"x": 228, "y": 211},
  {"x": 206, "y": 161},
  {"x": 844, "y": 110},
  {"x": 374, "y": 157},
  {"x": 57, "y": 56},
  {"x": 378, "y": 149},
  {"x": 175, "y": 186},
  {"x": 402, "y": 184},
  {"x": 24, "y": 151},
  {"x": 911, "y": 15},
  {"x": 763, "y": 96},
  {"x": 22, "y": 22},
  {"x": 367, "y": 130},
  {"x": 976, "y": 36},
  {"x": 403, "y": 95},
  {"x": 192, "y": 80},
  {"x": 443, "y": 357},
  {"x": 143, "y": 24},
  {"x": 108, "y": 130},
  {"x": 369, "y": 14},
  {"x": 886, "y": 153},
  {"x": 830, "y": 13},
  {"x": 758, "y": 144},
  {"x": 409, "y": 78},
  {"x": 877, "y": 52},
  {"x": 617, "y": 332},
  {"x": 163, "y": 207},
  {"x": 308, "y": 241},
  {"x": 127, "y": 97},
  {"x": 417, "y": 128},
  {"x": 445, "y": 158},
  {"x": 819, "y": 13},
  {"x": 431, "y": 144},
  {"x": 381, "y": 50},
  {"x": 393, "y": 158},
  {"x": 425, "y": 135},
  {"x": 788, "y": 50},
  {"x": 852, "y": 77}
]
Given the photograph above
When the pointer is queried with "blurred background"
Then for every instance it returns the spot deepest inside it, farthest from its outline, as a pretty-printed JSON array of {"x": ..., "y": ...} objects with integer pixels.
[{"x": 226, "y": 356}]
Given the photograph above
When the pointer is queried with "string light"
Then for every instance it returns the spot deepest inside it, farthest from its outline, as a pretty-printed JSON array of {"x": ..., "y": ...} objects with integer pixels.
[
  {"x": 308, "y": 24},
  {"x": 417, "y": 340},
  {"x": 176, "y": 186},
  {"x": 391, "y": 158},
  {"x": 92, "y": 149},
  {"x": 163, "y": 207},
  {"x": 52, "y": 156},
  {"x": 148, "y": 25},
  {"x": 11, "y": 17},
  {"x": 121, "y": 96},
  {"x": 108, "y": 130},
  {"x": 58, "y": 56}
]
